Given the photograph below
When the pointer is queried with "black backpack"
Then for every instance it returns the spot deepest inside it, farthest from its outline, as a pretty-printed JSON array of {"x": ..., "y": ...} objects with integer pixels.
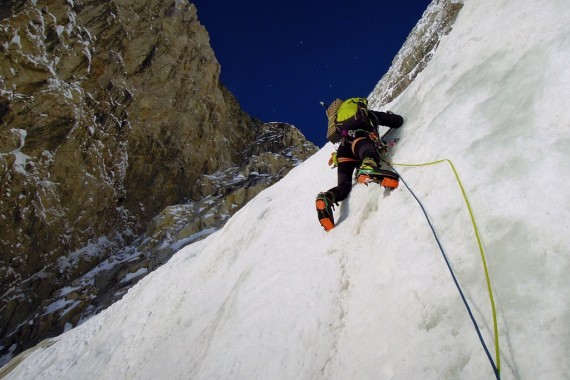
[{"x": 350, "y": 114}]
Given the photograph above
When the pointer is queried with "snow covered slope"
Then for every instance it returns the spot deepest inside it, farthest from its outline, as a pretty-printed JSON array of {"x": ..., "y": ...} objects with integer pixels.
[{"x": 273, "y": 296}]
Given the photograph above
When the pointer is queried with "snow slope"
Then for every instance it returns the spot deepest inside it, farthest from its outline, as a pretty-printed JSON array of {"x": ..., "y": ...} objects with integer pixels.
[{"x": 273, "y": 296}]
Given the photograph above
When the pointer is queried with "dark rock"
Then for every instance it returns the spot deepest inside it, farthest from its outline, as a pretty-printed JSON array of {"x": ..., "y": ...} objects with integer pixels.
[{"x": 112, "y": 114}]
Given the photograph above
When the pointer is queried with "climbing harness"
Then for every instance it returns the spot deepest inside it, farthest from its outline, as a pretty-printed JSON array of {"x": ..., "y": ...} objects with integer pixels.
[{"x": 496, "y": 367}]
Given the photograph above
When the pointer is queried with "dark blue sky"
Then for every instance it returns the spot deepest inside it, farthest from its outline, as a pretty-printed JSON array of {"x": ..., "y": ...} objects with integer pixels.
[{"x": 281, "y": 58}]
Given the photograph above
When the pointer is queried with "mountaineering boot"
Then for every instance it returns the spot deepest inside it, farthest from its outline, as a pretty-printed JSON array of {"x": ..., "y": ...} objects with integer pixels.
[
  {"x": 382, "y": 175},
  {"x": 325, "y": 207},
  {"x": 368, "y": 164}
]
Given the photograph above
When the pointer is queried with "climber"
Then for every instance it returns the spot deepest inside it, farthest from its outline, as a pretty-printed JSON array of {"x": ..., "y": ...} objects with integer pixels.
[{"x": 356, "y": 128}]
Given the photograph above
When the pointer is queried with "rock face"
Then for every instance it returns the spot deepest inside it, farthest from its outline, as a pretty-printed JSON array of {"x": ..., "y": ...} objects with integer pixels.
[
  {"x": 118, "y": 145},
  {"x": 413, "y": 57}
]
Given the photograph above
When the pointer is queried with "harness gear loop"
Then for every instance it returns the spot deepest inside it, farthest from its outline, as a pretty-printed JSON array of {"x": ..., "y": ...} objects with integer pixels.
[{"x": 354, "y": 142}]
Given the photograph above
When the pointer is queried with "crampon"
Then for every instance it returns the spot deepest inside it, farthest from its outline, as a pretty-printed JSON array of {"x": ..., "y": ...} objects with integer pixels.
[{"x": 385, "y": 178}]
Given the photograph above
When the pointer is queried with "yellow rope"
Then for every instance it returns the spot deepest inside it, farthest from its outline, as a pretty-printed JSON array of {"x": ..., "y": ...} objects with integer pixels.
[{"x": 476, "y": 229}]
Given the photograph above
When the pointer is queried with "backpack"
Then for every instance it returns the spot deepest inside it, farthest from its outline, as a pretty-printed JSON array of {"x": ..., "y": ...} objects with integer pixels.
[{"x": 350, "y": 114}]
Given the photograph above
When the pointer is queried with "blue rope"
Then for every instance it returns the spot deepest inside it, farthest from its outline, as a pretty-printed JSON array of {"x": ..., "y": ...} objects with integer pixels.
[{"x": 495, "y": 370}]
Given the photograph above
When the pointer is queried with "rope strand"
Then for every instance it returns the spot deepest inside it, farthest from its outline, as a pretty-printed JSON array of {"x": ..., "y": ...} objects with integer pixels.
[{"x": 496, "y": 368}]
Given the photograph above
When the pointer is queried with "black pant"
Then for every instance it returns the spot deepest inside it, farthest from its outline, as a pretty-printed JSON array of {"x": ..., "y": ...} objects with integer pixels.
[{"x": 350, "y": 155}]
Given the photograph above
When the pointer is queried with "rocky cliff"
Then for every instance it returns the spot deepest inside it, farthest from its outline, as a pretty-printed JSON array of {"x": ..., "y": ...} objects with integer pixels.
[{"x": 118, "y": 145}]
